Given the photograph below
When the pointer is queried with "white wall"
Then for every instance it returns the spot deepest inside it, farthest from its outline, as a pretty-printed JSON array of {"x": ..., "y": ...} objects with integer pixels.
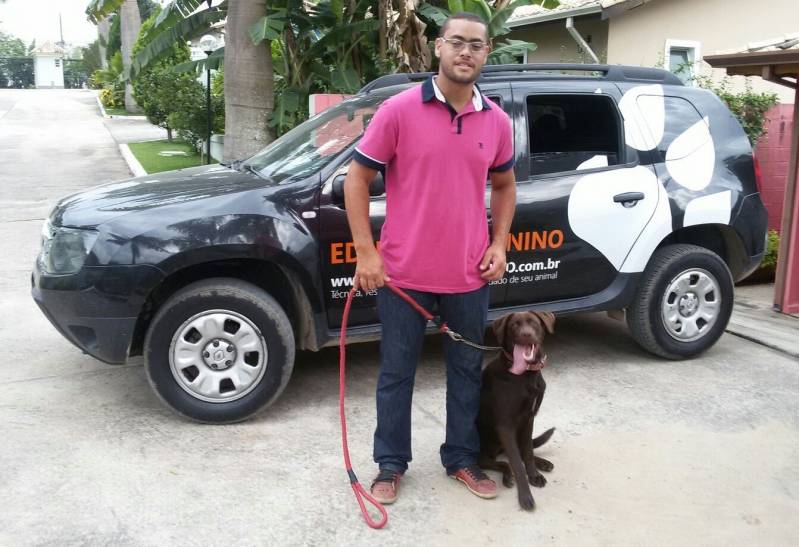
[{"x": 47, "y": 73}]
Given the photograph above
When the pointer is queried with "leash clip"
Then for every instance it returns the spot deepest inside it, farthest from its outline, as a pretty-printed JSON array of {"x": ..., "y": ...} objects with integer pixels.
[{"x": 455, "y": 336}]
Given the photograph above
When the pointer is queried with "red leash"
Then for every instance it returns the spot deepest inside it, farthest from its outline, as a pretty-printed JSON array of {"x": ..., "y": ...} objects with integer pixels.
[{"x": 357, "y": 487}]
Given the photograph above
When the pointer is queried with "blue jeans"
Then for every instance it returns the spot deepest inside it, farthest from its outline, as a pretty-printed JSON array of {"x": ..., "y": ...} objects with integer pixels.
[{"x": 401, "y": 345}]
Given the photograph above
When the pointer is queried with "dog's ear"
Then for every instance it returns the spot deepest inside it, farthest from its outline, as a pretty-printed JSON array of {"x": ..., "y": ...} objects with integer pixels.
[
  {"x": 499, "y": 326},
  {"x": 548, "y": 319}
]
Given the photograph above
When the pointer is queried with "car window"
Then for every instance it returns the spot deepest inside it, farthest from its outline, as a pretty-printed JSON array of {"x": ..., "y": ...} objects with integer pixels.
[
  {"x": 680, "y": 115},
  {"x": 313, "y": 144},
  {"x": 570, "y": 132}
]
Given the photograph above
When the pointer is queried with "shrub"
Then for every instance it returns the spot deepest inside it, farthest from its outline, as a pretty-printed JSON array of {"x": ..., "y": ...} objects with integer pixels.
[
  {"x": 772, "y": 250},
  {"x": 748, "y": 106},
  {"x": 156, "y": 86},
  {"x": 111, "y": 98}
]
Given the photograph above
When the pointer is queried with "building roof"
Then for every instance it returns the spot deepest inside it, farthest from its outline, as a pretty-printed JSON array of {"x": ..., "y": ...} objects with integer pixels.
[
  {"x": 527, "y": 15},
  {"x": 48, "y": 48},
  {"x": 773, "y": 59},
  {"x": 530, "y": 15}
]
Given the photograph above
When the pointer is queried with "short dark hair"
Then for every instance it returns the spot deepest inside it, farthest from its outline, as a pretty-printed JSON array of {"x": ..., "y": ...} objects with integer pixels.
[{"x": 465, "y": 16}]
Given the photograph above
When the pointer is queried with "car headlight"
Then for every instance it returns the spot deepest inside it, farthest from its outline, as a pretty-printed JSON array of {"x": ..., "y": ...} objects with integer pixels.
[{"x": 64, "y": 250}]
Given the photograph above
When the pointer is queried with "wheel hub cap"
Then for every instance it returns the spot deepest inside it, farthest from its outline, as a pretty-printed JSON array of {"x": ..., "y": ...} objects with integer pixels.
[
  {"x": 218, "y": 356},
  {"x": 691, "y": 304}
]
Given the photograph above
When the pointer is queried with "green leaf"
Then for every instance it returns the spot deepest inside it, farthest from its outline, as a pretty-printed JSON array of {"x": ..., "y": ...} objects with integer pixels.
[
  {"x": 506, "y": 52},
  {"x": 337, "y": 7},
  {"x": 177, "y": 10},
  {"x": 345, "y": 81},
  {"x": 214, "y": 62},
  {"x": 340, "y": 35},
  {"x": 269, "y": 27},
  {"x": 455, "y": 6},
  {"x": 433, "y": 13},
  {"x": 496, "y": 25},
  {"x": 478, "y": 7},
  {"x": 97, "y": 10},
  {"x": 186, "y": 29}
]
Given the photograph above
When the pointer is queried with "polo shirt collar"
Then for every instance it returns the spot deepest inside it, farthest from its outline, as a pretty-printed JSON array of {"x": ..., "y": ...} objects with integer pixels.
[{"x": 430, "y": 89}]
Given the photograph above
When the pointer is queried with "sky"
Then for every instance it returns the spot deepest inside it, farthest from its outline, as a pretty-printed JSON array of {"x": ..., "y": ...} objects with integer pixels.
[{"x": 29, "y": 19}]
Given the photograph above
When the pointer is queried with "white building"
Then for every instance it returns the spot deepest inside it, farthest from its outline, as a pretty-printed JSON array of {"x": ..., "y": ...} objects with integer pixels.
[{"x": 48, "y": 66}]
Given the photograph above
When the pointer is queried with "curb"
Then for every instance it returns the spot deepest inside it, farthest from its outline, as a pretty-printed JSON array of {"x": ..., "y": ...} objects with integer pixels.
[
  {"x": 108, "y": 116},
  {"x": 133, "y": 164},
  {"x": 100, "y": 104}
]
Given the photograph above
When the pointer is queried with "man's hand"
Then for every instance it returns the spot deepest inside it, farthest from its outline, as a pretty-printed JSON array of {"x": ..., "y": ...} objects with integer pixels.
[
  {"x": 369, "y": 273},
  {"x": 493, "y": 264}
]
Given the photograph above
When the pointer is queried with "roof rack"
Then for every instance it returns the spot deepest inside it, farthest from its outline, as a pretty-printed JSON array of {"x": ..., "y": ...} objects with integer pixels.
[{"x": 612, "y": 73}]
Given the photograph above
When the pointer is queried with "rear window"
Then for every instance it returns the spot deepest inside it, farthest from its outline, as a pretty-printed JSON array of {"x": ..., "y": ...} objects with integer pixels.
[{"x": 570, "y": 132}]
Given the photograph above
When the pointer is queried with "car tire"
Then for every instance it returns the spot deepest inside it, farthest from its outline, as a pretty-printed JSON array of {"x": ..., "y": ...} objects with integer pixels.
[
  {"x": 219, "y": 351},
  {"x": 683, "y": 302}
]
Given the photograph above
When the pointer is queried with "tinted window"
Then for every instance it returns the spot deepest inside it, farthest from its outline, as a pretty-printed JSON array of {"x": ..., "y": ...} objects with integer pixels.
[
  {"x": 566, "y": 131},
  {"x": 680, "y": 115}
]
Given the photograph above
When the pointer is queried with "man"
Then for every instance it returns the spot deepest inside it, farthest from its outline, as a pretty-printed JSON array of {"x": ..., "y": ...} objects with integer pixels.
[{"x": 436, "y": 143}]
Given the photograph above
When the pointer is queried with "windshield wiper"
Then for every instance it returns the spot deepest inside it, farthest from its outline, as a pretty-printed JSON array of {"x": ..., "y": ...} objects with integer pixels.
[
  {"x": 250, "y": 169},
  {"x": 239, "y": 165}
]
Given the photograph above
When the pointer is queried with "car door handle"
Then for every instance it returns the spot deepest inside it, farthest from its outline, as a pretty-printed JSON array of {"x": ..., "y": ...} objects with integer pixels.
[{"x": 628, "y": 199}]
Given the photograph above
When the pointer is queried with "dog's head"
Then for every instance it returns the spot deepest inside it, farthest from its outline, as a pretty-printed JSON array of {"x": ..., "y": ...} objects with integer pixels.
[{"x": 521, "y": 334}]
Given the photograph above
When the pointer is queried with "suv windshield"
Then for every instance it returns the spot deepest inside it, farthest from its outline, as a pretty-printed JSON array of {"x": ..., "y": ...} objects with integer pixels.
[{"x": 313, "y": 144}]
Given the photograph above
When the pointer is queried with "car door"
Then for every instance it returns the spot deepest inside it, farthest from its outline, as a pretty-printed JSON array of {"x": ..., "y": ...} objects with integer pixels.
[
  {"x": 582, "y": 195},
  {"x": 337, "y": 249}
]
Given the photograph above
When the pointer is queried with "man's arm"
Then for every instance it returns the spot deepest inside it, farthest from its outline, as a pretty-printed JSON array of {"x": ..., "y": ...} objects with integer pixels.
[
  {"x": 369, "y": 273},
  {"x": 503, "y": 205}
]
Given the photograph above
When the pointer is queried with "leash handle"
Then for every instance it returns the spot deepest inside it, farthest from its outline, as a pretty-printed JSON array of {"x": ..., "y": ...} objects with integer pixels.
[{"x": 357, "y": 488}]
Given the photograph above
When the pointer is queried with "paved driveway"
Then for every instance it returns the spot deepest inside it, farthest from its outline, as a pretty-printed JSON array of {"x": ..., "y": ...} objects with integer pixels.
[{"x": 646, "y": 451}]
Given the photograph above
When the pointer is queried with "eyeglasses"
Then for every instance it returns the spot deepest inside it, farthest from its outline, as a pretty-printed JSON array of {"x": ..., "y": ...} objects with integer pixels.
[{"x": 457, "y": 45}]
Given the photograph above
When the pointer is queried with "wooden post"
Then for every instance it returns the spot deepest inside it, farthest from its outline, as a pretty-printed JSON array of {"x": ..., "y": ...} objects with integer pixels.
[{"x": 786, "y": 288}]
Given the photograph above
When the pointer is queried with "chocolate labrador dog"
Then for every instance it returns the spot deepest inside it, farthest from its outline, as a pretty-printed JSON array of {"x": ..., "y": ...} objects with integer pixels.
[{"x": 513, "y": 388}]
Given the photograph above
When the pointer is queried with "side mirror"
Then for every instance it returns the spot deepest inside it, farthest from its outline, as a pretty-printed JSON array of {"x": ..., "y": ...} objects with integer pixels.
[{"x": 376, "y": 188}]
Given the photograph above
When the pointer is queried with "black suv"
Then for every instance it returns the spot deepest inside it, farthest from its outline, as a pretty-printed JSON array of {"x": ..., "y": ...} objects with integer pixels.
[{"x": 634, "y": 193}]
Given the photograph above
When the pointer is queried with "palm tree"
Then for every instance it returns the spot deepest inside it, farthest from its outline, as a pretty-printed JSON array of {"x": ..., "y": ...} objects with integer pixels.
[
  {"x": 130, "y": 23},
  {"x": 249, "y": 82},
  {"x": 103, "y": 28}
]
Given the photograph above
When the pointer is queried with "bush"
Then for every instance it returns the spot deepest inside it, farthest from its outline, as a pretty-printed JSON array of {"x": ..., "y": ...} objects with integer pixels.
[
  {"x": 190, "y": 119},
  {"x": 748, "y": 106},
  {"x": 772, "y": 250},
  {"x": 156, "y": 87},
  {"x": 111, "y": 98}
]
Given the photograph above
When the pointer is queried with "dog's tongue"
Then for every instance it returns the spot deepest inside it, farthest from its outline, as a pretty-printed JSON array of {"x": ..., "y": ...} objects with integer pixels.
[{"x": 521, "y": 356}]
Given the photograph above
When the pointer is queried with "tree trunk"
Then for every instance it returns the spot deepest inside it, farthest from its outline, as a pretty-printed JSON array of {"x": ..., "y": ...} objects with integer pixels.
[
  {"x": 130, "y": 23},
  {"x": 102, "y": 35},
  {"x": 249, "y": 82}
]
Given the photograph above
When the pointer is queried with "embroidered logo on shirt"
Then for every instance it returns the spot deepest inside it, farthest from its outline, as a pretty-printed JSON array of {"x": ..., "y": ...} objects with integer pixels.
[{"x": 480, "y": 145}]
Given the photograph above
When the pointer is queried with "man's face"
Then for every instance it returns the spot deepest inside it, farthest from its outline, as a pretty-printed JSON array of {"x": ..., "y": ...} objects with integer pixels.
[{"x": 457, "y": 59}]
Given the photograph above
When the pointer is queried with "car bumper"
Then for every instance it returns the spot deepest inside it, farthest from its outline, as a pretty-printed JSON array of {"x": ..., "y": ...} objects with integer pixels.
[{"x": 97, "y": 308}]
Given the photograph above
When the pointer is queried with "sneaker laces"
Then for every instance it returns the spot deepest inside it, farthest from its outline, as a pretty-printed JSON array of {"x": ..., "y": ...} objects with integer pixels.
[{"x": 475, "y": 473}]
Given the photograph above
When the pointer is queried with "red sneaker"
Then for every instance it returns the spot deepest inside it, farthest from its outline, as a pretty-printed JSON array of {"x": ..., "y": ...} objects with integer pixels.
[
  {"x": 385, "y": 486},
  {"x": 476, "y": 481}
]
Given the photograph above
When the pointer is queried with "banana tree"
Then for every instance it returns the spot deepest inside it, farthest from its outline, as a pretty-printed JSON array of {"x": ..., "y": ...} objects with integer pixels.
[
  {"x": 322, "y": 47},
  {"x": 130, "y": 22},
  {"x": 496, "y": 15}
]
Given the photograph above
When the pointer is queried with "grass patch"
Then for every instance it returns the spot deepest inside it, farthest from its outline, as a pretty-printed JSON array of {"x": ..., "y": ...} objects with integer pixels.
[
  {"x": 120, "y": 111},
  {"x": 147, "y": 154}
]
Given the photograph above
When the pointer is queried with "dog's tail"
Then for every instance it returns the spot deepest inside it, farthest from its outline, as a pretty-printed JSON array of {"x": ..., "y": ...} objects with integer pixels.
[{"x": 543, "y": 437}]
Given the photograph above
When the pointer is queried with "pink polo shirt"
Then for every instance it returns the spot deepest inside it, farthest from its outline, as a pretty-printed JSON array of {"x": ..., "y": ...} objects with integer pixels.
[{"x": 435, "y": 163}]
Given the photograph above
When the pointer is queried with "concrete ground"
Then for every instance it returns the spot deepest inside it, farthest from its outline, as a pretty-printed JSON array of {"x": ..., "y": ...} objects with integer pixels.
[{"x": 699, "y": 452}]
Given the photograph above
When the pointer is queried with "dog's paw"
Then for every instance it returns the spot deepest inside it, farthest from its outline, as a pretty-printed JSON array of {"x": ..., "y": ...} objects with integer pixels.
[
  {"x": 543, "y": 465},
  {"x": 538, "y": 480},
  {"x": 526, "y": 501},
  {"x": 507, "y": 480}
]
